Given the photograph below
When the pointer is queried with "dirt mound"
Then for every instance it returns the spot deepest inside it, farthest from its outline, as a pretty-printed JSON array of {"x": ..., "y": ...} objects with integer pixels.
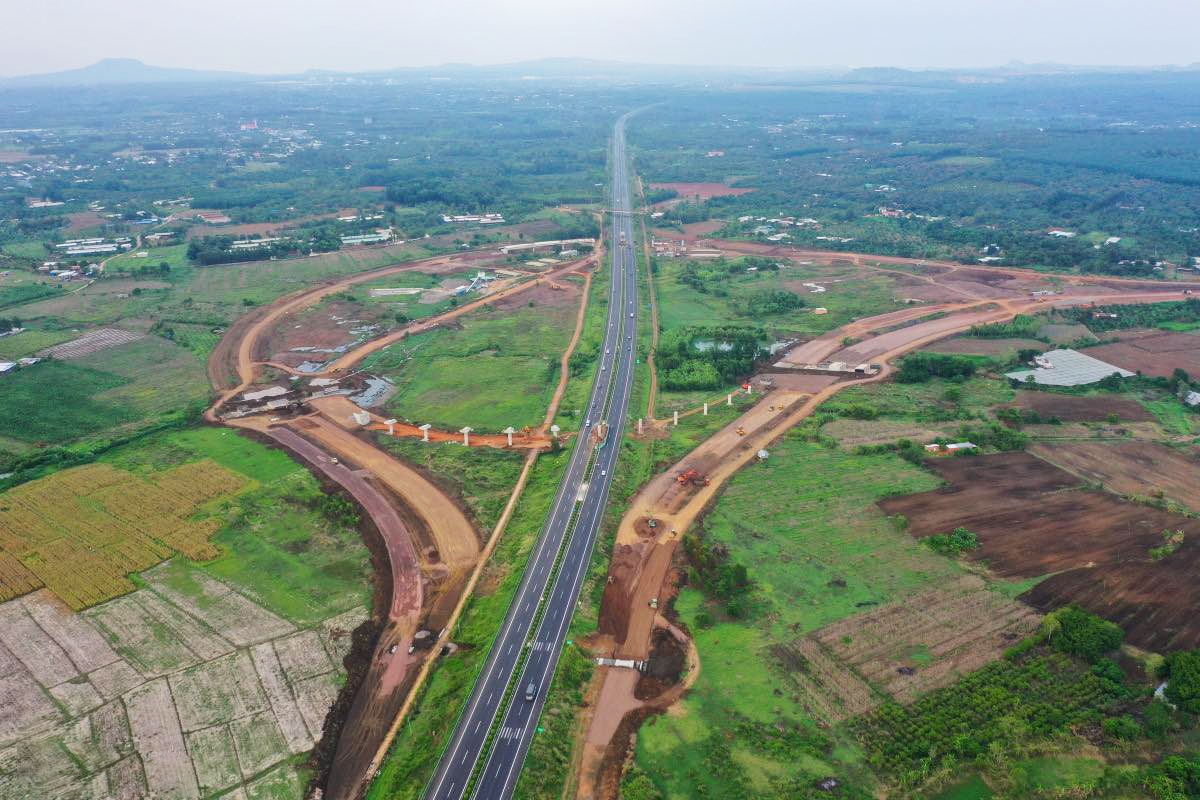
[
  {"x": 1072, "y": 408},
  {"x": 668, "y": 657}
]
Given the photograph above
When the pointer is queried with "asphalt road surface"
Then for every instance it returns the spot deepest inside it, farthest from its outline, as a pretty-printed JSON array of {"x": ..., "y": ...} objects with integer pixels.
[{"x": 574, "y": 519}]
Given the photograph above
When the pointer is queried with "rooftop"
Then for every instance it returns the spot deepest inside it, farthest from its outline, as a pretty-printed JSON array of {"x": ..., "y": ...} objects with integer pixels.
[{"x": 1068, "y": 368}]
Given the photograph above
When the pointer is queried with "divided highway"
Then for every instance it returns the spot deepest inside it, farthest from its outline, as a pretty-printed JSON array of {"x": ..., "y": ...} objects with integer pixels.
[{"x": 520, "y": 650}]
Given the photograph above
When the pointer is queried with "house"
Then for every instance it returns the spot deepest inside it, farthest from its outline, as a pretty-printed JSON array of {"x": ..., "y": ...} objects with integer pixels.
[
  {"x": 1192, "y": 399},
  {"x": 956, "y": 447},
  {"x": 1061, "y": 233},
  {"x": 7, "y": 366}
]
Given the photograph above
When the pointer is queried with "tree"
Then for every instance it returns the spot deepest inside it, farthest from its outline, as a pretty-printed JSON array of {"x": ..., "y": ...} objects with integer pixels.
[
  {"x": 1086, "y": 635},
  {"x": 1183, "y": 680}
]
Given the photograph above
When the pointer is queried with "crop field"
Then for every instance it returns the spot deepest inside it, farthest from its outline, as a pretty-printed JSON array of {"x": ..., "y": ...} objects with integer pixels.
[
  {"x": 275, "y": 545},
  {"x": 107, "y": 391},
  {"x": 1158, "y": 356},
  {"x": 150, "y": 701},
  {"x": 1026, "y": 524},
  {"x": 1076, "y": 408},
  {"x": 89, "y": 343},
  {"x": 82, "y": 531},
  {"x": 1142, "y": 469},
  {"x": 211, "y": 676},
  {"x": 440, "y": 375},
  {"x": 1108, "y": 555},
  {"x": 25, "y": 414},
  {"x": 159, "y": 376},
  {"x": 804, "y": 525},
  {"x": 923, "y": 642}
]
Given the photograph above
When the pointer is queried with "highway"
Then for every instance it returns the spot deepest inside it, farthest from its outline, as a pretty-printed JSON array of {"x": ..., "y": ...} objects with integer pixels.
[{"x": 571, "y": 529}]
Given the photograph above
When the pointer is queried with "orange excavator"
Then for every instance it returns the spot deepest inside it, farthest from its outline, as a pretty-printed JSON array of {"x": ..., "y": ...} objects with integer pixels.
[{"x": 694, "y": 477}]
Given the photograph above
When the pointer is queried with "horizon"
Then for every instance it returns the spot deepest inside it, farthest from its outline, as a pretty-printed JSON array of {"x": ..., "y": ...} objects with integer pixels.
[{"x": 274, "y": 39}]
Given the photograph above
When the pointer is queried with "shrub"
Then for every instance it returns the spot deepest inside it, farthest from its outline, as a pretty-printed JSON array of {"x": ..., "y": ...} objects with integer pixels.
[
  {"x": 953, "y": 544},
  {"x": 1075, "y": 631},
  {"x": 921, "y": 367},
  {"x": 1125, "y": 728}
]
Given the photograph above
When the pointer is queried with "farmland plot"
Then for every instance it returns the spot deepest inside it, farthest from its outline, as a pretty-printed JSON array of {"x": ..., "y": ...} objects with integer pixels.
[
  {"x": 145, "y": 699},
  {"x": 82, "y": 531}
]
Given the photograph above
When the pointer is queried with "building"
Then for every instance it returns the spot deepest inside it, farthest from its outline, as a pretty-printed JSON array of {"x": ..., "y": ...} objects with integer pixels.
[
  {"x": 550, "y": 243},
  {"x": 381, "y": 235},
  {"x": 1067, "y": 368},
  {"x": 213, "y": 218}
]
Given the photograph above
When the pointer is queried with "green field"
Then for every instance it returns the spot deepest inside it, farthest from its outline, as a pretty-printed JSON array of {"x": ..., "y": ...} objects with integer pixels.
[
  {"x": 279, "y": 544},
  {"x": 31, "y": 340},
  {"x": 107, "y": 392},
  {"x": 805, "y": 525},
  {"x": 498, "y": 369},
  {"x": 38, "y": 398}
]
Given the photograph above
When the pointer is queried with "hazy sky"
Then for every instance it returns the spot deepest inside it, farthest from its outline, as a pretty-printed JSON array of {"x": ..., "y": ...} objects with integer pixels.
[{"x": 277, "y": 36}]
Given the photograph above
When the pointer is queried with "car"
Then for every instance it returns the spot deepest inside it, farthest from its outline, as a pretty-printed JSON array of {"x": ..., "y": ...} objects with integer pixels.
[
  {"x": 606, "y": 351},
  {"x": 603, "y": 473},
  {"x": 631, "y": 315},
  {"x": 530, "y": 692}
]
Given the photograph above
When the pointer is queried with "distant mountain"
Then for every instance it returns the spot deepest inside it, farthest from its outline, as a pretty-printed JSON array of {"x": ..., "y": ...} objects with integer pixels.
[{"x": 122, "y": 71}]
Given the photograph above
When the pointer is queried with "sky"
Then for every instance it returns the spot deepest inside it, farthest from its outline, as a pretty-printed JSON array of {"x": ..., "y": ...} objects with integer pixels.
[{"x": 277, "y": 36}]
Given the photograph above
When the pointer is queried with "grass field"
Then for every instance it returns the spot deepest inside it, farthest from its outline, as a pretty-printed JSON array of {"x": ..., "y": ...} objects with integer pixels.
[
  {"x": 28, "y": 415},
  {"x": 805, "y": 526},
  {"x": 30, "y": 341},
  {"x": 112, "y": 391},
  {"x": 275, "y": 544},
  {"x": 442, "y": 376}
]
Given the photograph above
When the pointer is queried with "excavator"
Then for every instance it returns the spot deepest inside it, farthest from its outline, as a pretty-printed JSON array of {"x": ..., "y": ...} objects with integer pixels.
[{"x": 694, "y": 477}]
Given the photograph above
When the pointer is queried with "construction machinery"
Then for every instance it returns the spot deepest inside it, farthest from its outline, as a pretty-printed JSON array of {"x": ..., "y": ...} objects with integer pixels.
[
  {"x": 741, "y": 431},
  {"x": 693, "y": 477}
]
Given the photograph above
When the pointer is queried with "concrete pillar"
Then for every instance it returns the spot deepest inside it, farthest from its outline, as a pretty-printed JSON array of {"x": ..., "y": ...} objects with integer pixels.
[
  {"x": 466, "y": 432},
  {"x": 706, "y": 409},
  {"x": 391, "y": 423},
  {"x": 749, "y": 388},
  {"x": 425, "y": 432},
  {"x": 639, "y": 426},
  {"x": 509, "y": 431},
  {"x": 676, "y": 419},
  {"x": 729, "y": 400}
]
